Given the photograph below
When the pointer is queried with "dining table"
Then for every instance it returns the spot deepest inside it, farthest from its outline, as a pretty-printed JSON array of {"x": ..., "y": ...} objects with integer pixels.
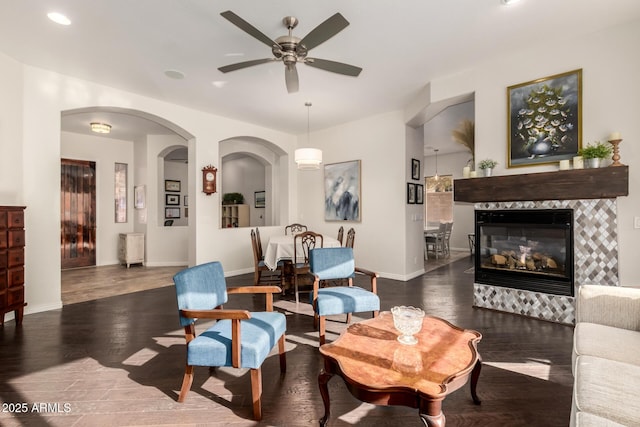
[{"x": 281, "y": 248}]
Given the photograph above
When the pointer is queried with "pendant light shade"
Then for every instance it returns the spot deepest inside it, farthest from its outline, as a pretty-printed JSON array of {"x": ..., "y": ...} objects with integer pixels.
[
  {"x": 308, "y": 158},
  {"x": 436, "y": 150}
]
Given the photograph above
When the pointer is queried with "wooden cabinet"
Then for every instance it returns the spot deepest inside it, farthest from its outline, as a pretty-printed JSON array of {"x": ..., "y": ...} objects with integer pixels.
[
  {"x": 131, "y": 248},
  {"x": 12, "y": 240},
  {"x": 235, "y": 216}
]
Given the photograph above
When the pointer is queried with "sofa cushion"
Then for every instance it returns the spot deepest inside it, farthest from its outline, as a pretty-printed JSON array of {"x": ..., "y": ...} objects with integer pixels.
[
  {"x": 622, "y": 345},
  {"x": 584, "y": 419},
  {"x": 608, "y": 389}
]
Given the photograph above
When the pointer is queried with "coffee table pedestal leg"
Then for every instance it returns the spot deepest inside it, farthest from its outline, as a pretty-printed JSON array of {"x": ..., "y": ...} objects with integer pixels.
[
  {"x": 323, "y": 379},
  {"x": 431, "y": 414},
  {"x": 430, "y": 421}
]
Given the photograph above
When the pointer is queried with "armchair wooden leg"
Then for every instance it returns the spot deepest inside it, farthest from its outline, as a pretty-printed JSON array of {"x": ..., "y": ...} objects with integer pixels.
[
  {"x": 349, "y": 318},
  {"x": 186, "y": 383},
  {"x": 283, "y": 355},
  {"x": 256, "y": 393},
  {"x": 375, "y": 313},
  {"x": 295, "y": 285},
  {"x": 322, "y": 330},
  {"x": 315, "y": 320}
]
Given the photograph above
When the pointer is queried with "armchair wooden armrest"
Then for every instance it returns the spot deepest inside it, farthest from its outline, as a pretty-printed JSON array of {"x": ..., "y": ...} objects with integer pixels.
[
  {"x": 267, "y": 290},
  {"x": 254, "y": 290},
  {"x": 374, "y": 278},
  {"x": 234, "y": 315},
  {"x": 216, "y": 314}
]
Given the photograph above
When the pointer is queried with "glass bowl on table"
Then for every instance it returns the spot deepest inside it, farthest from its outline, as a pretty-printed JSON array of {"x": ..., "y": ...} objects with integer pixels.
[{"x": 408, "y": 321}]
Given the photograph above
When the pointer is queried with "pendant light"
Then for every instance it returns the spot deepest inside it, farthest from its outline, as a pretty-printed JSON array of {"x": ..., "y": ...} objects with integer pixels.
[
  {"x": 436, "y": 151},
  {"x": 308, "y": 158}
]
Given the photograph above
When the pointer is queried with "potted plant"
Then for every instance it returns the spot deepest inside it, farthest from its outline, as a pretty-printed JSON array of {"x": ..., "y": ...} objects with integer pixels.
[
  {"x": 487, "y": 166},
  {"x": 232, "y": 199},
  {"x": 594, "y": 152}
]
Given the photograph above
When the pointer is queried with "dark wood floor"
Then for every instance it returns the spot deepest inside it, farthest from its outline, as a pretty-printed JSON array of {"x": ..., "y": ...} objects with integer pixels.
[{"x": 119, "y": 361}]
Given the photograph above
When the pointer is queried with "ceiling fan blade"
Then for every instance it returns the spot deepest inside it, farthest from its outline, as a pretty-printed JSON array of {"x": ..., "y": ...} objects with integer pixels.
[
  {"x": 333, "y": 66},
  {"x": 241, "y": 65},
  {"x": 291, "y": 78},
  {"x": 248, "y": 28},
  {"x": 324, "y": 31}
]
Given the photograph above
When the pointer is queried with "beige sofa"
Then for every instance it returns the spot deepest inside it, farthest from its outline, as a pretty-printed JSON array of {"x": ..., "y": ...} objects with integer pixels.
[{"x": 606, "y": 357}]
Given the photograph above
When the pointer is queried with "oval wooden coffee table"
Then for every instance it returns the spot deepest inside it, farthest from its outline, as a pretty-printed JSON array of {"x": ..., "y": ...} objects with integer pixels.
[{"x": 378, "y": 369}]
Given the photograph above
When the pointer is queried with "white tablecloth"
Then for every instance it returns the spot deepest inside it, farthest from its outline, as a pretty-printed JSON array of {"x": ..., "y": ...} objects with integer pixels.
[{"x": 281, "y": 248}]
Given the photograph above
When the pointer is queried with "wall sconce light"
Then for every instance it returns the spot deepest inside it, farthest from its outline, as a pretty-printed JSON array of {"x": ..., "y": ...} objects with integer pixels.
[
  {"x": 100, "y": 127},
  {"x": 308, "y": 158}
]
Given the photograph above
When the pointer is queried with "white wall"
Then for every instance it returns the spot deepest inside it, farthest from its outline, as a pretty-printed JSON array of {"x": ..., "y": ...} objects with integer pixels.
[
  {"x": 105, "y": 152},
  {"x": 33, "y": 131},
  {"x": 610, "y": 67},
  {"x": 11, "y": 105},
  {"x": 379, "y": 142}
]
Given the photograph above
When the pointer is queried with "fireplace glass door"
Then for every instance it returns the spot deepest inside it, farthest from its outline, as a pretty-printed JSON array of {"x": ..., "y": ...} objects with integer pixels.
[{"x": 526, "y": 249}]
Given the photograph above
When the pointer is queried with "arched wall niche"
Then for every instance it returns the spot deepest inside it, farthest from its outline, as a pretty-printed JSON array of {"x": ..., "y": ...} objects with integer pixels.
[{"x": 250, "y": 165}]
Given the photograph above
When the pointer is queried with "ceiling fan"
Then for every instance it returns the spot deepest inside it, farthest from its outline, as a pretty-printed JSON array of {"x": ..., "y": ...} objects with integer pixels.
[{"x": 290, "y": 49}]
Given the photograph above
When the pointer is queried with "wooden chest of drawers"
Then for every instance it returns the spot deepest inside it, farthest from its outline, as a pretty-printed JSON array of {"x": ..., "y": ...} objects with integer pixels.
[{"x": 12, "y": 240}]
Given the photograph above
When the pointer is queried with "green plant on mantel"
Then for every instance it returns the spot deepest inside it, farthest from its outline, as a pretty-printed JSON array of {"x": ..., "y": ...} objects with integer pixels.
[
  {"x": 487, "y": 164},
  {"x": 596, "y": 150},
  {"x": 232, "y": 199}
]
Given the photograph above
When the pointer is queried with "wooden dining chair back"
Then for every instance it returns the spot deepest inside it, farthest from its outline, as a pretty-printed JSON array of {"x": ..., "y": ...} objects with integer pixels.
[
  {"x": 303, "y": 243},
  {"x": 340, "y": 234},
  {"x": 330, "y": 265},
  {"x": 259, "y": 244},
  {"x": 295, "y": 228},
  {"x": 238, "y": 338},
  {"x": 262, "y": 275},
  {"x": 351, "y": 238}
]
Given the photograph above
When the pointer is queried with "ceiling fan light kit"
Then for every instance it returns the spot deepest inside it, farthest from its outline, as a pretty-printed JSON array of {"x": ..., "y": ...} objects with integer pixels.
[{"x": 291, "y": 50}]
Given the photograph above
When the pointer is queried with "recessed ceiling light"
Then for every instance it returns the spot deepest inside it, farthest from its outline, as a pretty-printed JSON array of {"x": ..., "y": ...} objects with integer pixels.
[
  {"x": 219, "y": 83},
  {"x": 100, "y": 127},
  {"x": 59, "y": 18},
  {"x": 508, "y": 2},
  {"x": 174, "y": 74}
]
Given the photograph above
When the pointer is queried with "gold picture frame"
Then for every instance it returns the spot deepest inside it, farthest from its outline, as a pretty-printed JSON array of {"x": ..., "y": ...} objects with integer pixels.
[{"x": 544, "y": 120}]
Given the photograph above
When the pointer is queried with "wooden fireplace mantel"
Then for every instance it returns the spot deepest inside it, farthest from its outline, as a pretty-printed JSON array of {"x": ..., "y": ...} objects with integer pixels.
[{"x": 576, "y": 184}]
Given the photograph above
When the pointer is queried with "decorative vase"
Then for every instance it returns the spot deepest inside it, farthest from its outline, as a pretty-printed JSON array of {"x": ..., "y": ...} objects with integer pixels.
[
  {"x": 487, "y": 171},
  {"x": 593, "y": 163}
]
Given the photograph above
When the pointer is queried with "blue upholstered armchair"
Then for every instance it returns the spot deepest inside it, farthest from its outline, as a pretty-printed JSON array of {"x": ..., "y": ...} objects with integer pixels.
[
  {"x": 239, "y": 338},
  {"x": 328, "y": 264}
]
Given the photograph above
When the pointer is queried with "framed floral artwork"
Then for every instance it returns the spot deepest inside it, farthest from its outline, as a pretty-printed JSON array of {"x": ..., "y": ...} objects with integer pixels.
[{"x": 544, "y": 119}]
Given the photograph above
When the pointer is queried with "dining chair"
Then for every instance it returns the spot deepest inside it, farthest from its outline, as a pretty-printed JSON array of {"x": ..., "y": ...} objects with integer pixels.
[
  {"x": 259, "y": 267},
  {"x": 238, "y": 338},
  {"x": 259, "y": 244},
  {"x": 295, "y": 228},
  {"x": 329, "y": 264},
  {"x": 303, "y": 243},
  {"x": 434, "y": 242},
  {"x": 340, "y": 234},
  {"x": 447, "y": 238},
  {"x": 351, "y": 238}
]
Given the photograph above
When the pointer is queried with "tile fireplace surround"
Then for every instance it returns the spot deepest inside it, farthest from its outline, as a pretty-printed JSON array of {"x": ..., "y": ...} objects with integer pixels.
[{"x": 595, "y": 237}]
